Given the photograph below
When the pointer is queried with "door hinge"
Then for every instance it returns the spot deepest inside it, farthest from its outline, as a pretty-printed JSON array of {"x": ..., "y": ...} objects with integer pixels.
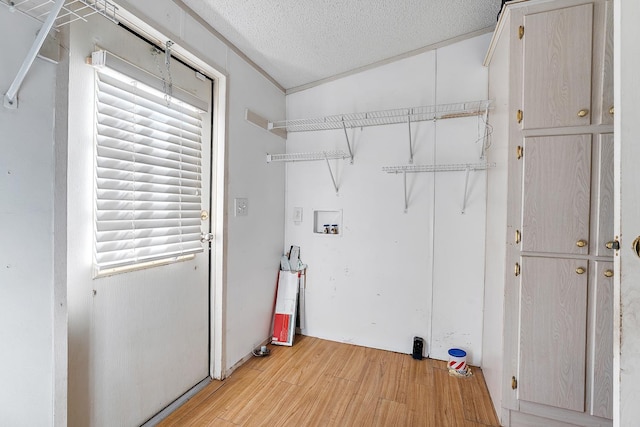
[
  {"x": 516, "y": 269},
  {"x": 514, "y": 383},
  {"x": 518, "y": 237},
  {"x": 519, "y": 115},
  {"x": 519, "y": 152},
  {"x": 521, "y": 32}
]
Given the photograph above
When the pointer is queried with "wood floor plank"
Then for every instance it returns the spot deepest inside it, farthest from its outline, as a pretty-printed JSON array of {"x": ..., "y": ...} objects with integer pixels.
[
  {"x": 324, "y": 383},
  {"x": 277, "y": 401},
  {"x": 354, "y": 366},
  {"x": 390, "y": 413},
  {"x": 226, "y": 397},
  {"x": 476, "y": 404},
  {"x": 194, "y": 403},
  {"x": 360, "y": 411}
]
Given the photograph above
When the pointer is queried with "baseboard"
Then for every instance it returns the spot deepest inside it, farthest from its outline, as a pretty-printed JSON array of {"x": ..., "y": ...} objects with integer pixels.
[{"x": 157, "y": 418}]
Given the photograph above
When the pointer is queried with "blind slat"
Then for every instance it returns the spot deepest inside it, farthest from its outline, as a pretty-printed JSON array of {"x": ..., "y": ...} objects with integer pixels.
[{"x": 148, "y": 177}]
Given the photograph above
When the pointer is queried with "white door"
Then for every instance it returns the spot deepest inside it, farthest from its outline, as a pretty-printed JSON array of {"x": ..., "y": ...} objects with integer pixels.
[
  {"x": 627, "y": 218},
  {"x": 148, "y": 337}
]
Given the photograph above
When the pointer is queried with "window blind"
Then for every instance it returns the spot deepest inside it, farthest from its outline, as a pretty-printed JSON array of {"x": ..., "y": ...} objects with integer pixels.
[{"x": 148, "y": 176}]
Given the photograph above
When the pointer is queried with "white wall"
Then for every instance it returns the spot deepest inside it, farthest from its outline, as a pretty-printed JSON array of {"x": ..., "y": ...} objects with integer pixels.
[
  {"x": 390, "y": 275},
  {"x": 26, "y": 225}
]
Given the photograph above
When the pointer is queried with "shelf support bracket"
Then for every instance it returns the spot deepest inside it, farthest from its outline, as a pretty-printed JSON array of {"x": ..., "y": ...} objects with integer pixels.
[
  {"x": 406, "y": 197},
  {"x": 10, "y": 97},
  {"x": 344, "y": 127},
  {"x": 410, "y": 144},
  {"x": 466, "y": 187},
  {"x": 333, "y": 179},
  {"x": 485, "y": 136}
]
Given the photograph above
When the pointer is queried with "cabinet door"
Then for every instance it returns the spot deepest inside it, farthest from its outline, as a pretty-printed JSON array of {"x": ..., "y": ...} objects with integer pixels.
[
  {"x": 557, "y": 67},
  {"x": 604, "y": 205},
  {"x": 556, "y": 194},
  {"x": 553, "y": 332},
  {"x": 601, "y": 365}
]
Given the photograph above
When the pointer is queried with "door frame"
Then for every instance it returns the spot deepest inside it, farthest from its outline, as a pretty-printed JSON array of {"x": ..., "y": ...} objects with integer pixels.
[
  {"x": 626, "y": 386},
  {"x": 129, "y": 15}
]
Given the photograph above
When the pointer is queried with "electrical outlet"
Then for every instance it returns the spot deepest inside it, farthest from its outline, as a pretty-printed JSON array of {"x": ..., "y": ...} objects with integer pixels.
[{"x": 241, "y": 206}]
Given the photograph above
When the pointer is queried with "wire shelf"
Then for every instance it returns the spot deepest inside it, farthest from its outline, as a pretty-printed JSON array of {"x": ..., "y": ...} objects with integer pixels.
[
  {"x": 438, "y": 168},
  {"x": 304, "y": 157},
  {"x": 72, "y": 10},
  {"x": 385, "y": 117}
]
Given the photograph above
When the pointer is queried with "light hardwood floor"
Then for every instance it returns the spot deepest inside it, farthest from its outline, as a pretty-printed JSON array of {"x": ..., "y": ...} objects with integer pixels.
[{"x": 323, "y": 383}]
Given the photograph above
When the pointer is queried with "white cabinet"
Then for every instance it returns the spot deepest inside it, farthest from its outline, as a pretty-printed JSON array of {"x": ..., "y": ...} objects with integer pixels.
[
  {"x": 552, "y": 333},
  {"x": 556, "y": 192},
  {"x": 553, "y": 113},
  {"x": 557, "y": 67}
]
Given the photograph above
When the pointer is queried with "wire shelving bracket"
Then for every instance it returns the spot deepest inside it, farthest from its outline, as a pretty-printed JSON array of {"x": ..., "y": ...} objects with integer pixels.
[
  {"x": 52, "y": 14},
  {"x": 306, "y": 157},
  {"x": 466, "y": 167}
]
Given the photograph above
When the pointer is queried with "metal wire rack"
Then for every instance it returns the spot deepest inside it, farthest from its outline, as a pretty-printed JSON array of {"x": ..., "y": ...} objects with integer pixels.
[
  {"x": 467, "y": 167},
  {"x": 71, "y": 11},
  {"x": 385, "y": 117},
  {"x": 303, "y": 157},
  {"x": 438, "y": 168}
]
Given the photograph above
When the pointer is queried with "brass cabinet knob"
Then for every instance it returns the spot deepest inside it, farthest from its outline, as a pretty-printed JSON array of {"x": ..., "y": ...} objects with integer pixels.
[
  {"x": 608, "y": 273},
  {"x": 583, "y": 113},
  {"x": 519, "y": 115},
  {"x": 580, "y": 270},
  {"x": 581, "y": 243},
  {"x": 518, "y": 236},
  {"x": 611, "y": 110},
  {"x": 519, "y": 152}
]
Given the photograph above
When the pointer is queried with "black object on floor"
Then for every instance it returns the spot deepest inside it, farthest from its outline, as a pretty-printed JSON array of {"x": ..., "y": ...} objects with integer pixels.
[{"x": 418, "y": 345}]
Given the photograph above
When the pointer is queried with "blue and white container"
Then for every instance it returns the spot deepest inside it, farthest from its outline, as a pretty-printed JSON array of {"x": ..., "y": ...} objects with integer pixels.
[{"x": 458, "y": 360}]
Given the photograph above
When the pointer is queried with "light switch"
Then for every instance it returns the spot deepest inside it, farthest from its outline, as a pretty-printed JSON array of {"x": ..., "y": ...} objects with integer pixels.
[
  {"x": 241, "y": 206},
  {"x": 297, "y": 215}
]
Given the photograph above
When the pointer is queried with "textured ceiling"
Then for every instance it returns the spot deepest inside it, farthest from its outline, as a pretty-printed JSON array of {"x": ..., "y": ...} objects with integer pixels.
[{"x": 302, "y": 41}]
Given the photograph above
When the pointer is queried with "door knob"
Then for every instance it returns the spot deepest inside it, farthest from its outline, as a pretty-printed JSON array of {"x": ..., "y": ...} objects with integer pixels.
[
  {"x": 580, "y": 270},
  {"x": 636, "y": 246},
  {"x": 608, "y": 273},
  {"x": 583, "y": 112},
  {"x": 581, "y": 243},
  {"x": 614, "y": 244}
]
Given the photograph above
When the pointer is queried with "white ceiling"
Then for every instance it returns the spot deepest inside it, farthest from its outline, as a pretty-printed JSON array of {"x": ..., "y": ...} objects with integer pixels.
[{"x": 298, "y": 42}]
